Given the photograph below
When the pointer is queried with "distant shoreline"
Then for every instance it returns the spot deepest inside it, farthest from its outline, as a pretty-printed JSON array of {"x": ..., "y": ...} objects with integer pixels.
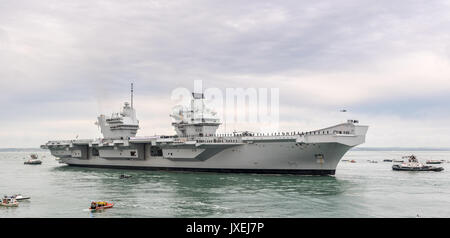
[
  {"x": 399, "y": 149},
  {"x": 353, "y": 149},
  {"x": 21, "y": 150}
]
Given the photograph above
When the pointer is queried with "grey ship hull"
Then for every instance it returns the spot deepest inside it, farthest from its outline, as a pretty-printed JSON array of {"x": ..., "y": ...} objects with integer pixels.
[
  {"x": 218, "y": 170},
  {"x": 316, "y": 153},
  {"x": 274, "y": 158}
]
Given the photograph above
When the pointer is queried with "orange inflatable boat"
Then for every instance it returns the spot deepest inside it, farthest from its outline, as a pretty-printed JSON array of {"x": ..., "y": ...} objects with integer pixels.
[{"x": 95, "y": 206}]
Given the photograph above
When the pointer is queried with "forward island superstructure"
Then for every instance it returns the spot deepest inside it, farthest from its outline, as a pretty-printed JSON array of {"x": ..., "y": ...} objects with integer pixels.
[{"x": 197, "y": 147}]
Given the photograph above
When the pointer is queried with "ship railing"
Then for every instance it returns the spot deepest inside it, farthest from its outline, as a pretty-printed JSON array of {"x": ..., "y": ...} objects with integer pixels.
[
  {"x": 58, "y": 142},
  {"x": 230, "y": 138},
  {"x": 277, "y": 134},
  {"x": 82, "y": 141},
  {"x": 238, "y": 137}
]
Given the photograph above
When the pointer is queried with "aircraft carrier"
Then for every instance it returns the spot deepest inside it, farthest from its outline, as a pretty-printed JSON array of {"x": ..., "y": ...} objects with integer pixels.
[{"x": 197, "y": 147}]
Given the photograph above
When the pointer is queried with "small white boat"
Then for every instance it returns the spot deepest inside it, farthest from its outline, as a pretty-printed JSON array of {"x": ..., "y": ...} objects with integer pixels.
[
  {"x": 20, "y": 197},
  {"x": 9, "y": 202},
  {"x": 34, "y": 160}
]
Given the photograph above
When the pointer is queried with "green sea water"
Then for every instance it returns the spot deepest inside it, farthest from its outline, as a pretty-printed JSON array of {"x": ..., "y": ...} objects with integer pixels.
[{"x": 360, "y": 189}]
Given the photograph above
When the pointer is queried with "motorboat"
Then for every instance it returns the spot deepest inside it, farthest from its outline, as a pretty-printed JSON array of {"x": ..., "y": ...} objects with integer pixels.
[
  {"x": 402, "y": 167},
  {"x": 434, "y": 161},
  {"x": 414, "y": 165},
  {"x": 100, "y": 205},
  {"x": 9, "y": 202},
  {"x": 20, "y": 197},
  {"x": 33, "y": 160},
  {"x": 122, "y": 176}
]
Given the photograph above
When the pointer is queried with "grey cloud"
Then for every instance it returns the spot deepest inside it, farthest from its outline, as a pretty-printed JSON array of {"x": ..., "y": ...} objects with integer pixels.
[{"x": 87, "y": 52}]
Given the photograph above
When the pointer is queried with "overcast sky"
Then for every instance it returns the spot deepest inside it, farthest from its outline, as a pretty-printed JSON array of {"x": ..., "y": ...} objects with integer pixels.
[{"x": 63, "y": 62}]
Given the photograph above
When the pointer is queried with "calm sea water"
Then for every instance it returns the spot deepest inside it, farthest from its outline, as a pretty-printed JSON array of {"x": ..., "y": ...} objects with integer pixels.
[{"x": 359, "y": 189}]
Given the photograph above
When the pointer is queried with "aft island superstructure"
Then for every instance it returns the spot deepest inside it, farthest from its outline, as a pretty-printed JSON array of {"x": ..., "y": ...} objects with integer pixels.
[{"x": 197, "y": 147}]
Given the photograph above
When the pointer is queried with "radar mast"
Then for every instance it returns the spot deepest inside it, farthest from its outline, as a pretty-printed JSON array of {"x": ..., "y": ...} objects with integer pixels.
[{"x": 131, "y": 95}]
